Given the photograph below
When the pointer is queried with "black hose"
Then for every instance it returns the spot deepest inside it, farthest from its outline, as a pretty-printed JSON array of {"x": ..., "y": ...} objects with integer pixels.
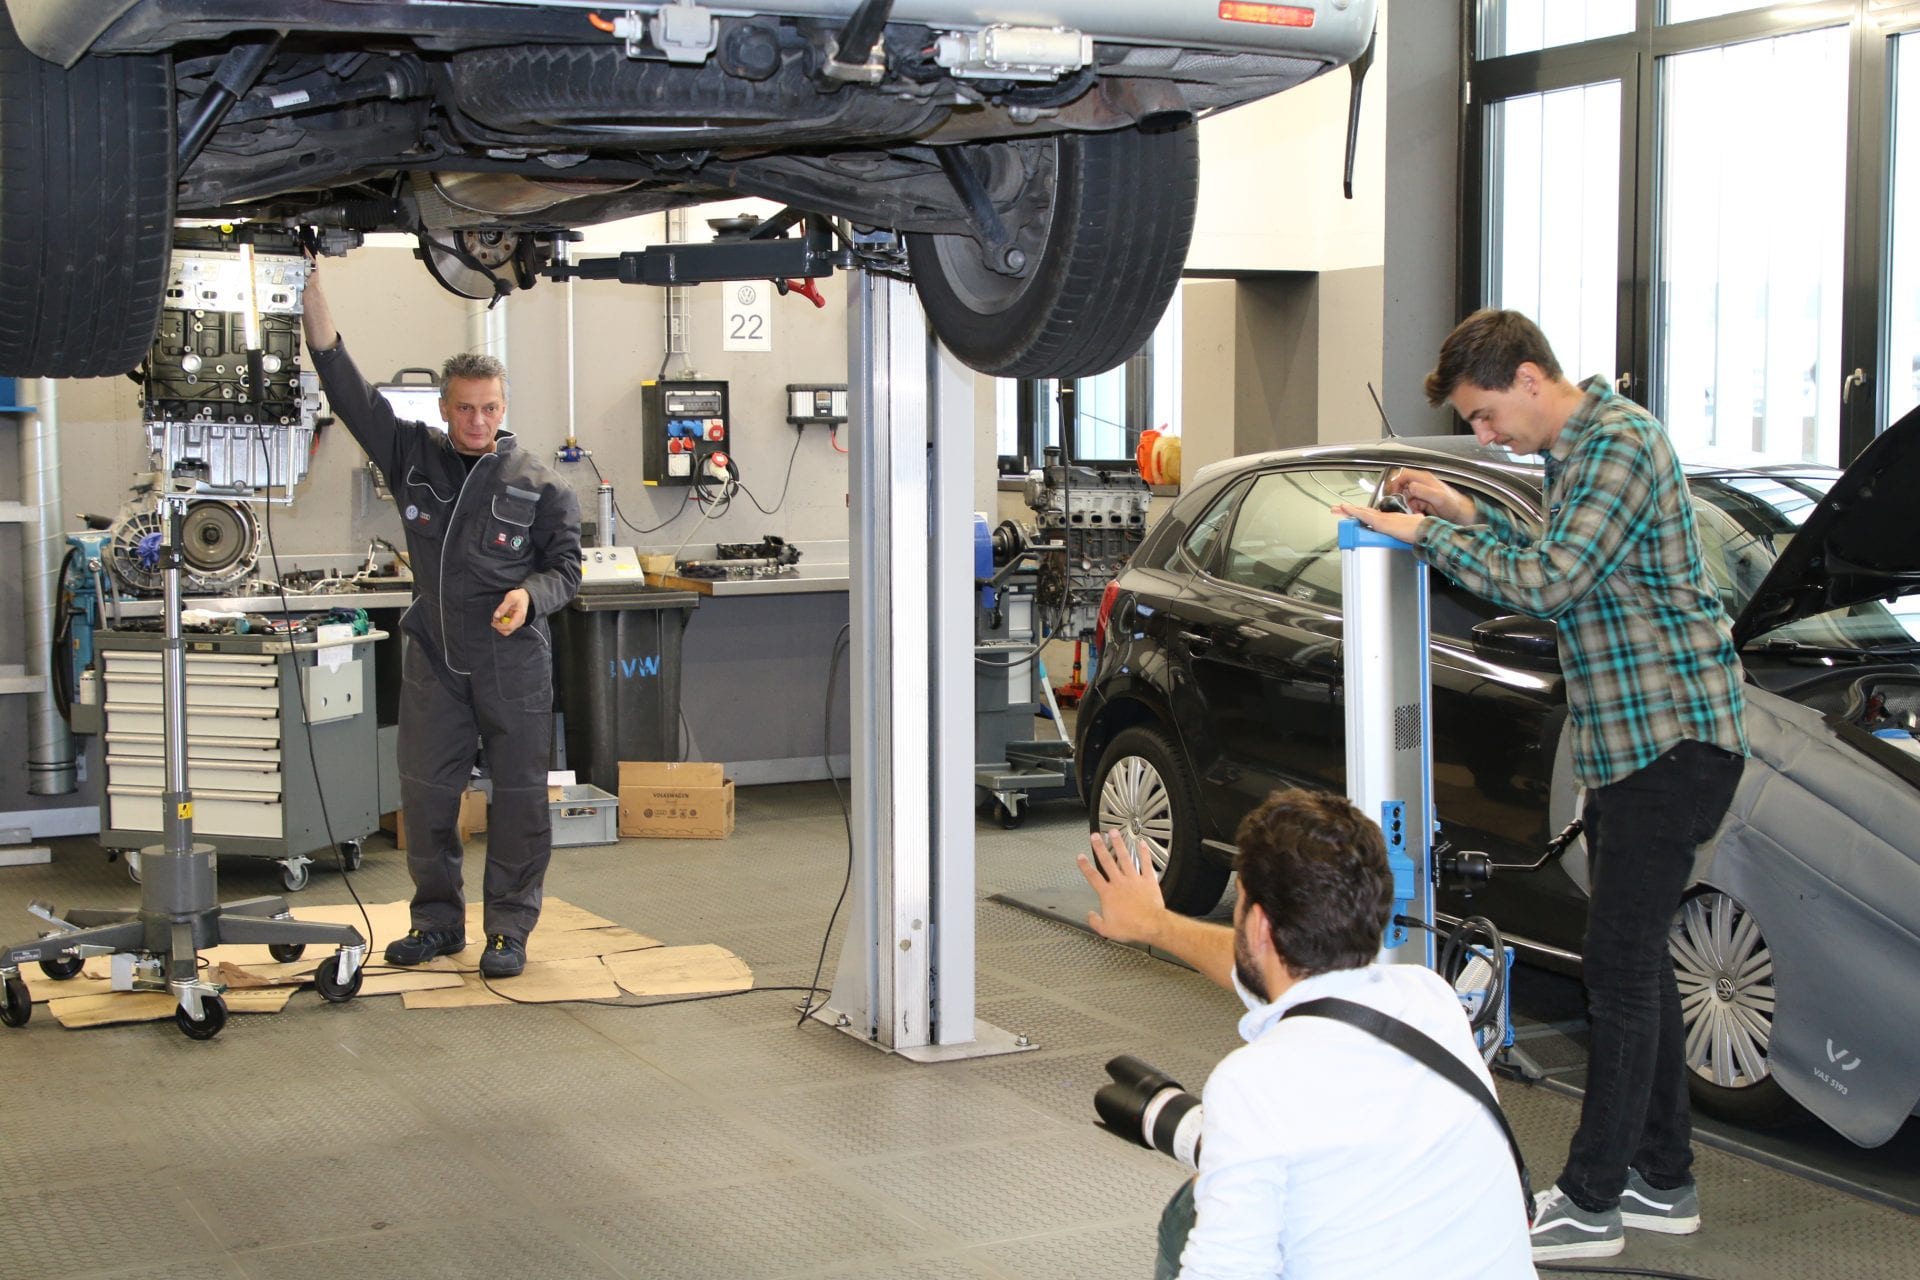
[
  {"x": 60, "y": 660},
  {"x": 862, "y": 32}
]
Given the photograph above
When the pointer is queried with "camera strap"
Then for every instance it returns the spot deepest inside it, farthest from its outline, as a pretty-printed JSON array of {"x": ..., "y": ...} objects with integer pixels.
[{"x": 1423, "y": 1048}]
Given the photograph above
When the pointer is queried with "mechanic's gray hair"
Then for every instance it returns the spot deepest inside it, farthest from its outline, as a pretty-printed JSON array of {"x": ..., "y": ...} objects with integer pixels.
[{"x": 471, "y": 364}]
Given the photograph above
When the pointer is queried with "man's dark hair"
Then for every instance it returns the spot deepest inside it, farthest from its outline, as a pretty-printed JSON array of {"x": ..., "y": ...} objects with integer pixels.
[
  {"x": 1487, "y": 349},
  {"x": 1318, "y": 867}
]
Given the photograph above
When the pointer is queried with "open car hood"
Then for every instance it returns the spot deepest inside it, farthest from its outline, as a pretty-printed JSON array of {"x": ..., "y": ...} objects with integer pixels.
[{"x": 1861, "y": 543}]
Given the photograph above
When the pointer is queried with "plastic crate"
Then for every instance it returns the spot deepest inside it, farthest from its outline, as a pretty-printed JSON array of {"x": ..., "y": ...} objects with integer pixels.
[{"x": 584, "y": 814}]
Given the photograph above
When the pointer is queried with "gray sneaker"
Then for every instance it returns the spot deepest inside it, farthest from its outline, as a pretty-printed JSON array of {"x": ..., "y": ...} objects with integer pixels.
[
  {"x": 1647, "y": 1208},
  {"x": 1562, "y": 1229}
]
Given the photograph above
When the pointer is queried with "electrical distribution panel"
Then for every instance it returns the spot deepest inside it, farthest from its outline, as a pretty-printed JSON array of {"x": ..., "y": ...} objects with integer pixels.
[{"x": 685, "y": 423}]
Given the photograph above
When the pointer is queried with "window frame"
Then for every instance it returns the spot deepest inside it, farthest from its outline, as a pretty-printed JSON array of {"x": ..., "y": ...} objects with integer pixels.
[{"x": 1635, "y": 58}]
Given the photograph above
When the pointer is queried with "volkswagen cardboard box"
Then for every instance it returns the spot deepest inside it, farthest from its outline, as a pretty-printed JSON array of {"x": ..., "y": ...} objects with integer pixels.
[{"x": 677, "y": 801}]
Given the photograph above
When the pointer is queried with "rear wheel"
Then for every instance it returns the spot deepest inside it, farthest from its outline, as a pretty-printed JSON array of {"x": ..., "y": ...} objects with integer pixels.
[
  {"x": 1100, "y": 223},
  {"x": 86, "y": 210},
  {"x": 1143, "y": 790},
  {"x": 1725, "y": 972}
]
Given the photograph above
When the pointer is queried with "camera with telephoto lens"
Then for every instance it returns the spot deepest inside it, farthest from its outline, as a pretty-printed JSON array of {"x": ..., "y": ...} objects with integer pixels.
[{"x": 1146, "y": 1106}]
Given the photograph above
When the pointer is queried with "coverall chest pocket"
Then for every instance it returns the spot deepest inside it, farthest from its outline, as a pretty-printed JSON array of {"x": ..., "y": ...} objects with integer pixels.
[
  {"x": 506, "y": 534},
  {"x": 424, "y": 506}
]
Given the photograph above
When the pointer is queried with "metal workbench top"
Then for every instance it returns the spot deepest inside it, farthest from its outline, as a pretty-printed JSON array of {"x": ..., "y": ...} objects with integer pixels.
[{"x": 296, "y": 602}]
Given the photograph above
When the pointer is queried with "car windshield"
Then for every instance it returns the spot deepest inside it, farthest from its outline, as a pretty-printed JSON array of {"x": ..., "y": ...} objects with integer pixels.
[{"x": 1746, "y": 519}]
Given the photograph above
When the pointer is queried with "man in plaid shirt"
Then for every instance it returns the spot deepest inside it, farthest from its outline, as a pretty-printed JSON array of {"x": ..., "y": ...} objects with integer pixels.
[{"x": 1654, "y": 706}]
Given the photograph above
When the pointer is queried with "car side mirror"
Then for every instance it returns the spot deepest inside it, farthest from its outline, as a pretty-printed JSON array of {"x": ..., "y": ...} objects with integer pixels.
[{"x": 1532, "y": 640}]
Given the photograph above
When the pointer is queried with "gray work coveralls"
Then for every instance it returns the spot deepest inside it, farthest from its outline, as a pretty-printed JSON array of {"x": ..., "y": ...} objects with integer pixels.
[{"x": 472, "y": 537}]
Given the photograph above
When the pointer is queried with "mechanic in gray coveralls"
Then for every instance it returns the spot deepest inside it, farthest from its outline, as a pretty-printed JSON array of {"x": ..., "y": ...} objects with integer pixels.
[{"x": 494, "y": 539}]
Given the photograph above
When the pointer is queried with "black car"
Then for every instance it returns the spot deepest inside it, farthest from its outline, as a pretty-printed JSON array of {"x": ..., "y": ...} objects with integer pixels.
[{"x": 1219, "y": 674}]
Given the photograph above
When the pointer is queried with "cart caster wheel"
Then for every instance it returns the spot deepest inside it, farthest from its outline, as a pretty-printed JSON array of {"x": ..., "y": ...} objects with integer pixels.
[
  {"x": 351, "y": 855},
  {"x": 213, "y": 1017},
  {"x": 327, "y": 981},
  {"x": 18, "y": 1006},
  {"x": 295, "y": 876},
  {"x": 1008, "y": 817},
  {"x": 286, "y": 952},
  {"x": 133, "y": 866},
  {"x": 60, "y": 968}
]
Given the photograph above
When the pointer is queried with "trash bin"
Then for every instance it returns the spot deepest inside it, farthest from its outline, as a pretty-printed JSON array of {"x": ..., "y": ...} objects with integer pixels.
[{"x": 620, "y": 677}]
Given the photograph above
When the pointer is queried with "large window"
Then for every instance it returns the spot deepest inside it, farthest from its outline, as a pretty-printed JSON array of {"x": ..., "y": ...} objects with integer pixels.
[
  {"x": 1752, "y": 220},
  {"x": 1554, "y": 217},
  {"x": 1901, "y": 359},
  {"x": 1712, "y": 201},
  {"x": 1097, "y": 419}
]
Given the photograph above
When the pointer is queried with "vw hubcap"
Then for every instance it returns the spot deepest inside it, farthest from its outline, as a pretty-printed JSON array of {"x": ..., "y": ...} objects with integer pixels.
[
  {"x": 1134, "y": 801},
  {"x": 1725, "y": 972}
]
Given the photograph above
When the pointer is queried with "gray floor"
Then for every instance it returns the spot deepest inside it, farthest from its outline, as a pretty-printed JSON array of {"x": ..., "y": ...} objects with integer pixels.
[{"x": 699, "y": 1140}]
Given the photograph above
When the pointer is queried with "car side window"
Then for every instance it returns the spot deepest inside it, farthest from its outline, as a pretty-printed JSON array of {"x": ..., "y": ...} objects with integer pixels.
[
  {"x": 1453, "y": 611},
  {"x": 1204, "y": 537},
  {"x": 1284, "y": 539}
]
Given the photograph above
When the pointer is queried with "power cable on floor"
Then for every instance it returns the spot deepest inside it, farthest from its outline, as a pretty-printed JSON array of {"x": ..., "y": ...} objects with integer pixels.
[
  {"x": 840, "y": 645},
  {"x": 313, "y": 760},
  {"x": 1654, "y": 1272}
]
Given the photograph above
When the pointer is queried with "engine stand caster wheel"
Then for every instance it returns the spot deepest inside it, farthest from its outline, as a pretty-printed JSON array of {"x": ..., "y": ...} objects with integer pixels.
[
  {"x": 286, "y": 952},
  {"x": 326, "y": 980},
  {"x": 295, "y": 875},
  {"x": 60, "y": 968},
  {"x": 213, "y": 1017},
  {"x": 1007, "y": 816},
  {"x": 351, "y": 855},
  {"x": 18, "y": 1005}
]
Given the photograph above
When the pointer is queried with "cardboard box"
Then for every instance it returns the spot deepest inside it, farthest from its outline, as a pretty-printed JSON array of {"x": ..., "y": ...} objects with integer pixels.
[
  {"x": 472, "y": 821},
  {"x": 676, "y": 801}
]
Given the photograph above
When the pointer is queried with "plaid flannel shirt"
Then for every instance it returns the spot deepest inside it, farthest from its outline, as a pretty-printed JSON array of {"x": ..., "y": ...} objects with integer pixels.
[{"x": 1645, "y": 645}]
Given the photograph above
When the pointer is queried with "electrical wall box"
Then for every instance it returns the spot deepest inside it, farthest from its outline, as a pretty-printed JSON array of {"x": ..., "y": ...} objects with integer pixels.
[
  {"x": 824, "y": 405},
  {"x": 683, "y": 424}
]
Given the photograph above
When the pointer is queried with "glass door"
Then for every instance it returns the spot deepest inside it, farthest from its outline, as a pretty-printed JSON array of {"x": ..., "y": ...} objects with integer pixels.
[
  {"x": 1749, "y": 277},
  {"x": 1551, "y": 154},
  {"x": 1900, "y": 305}
]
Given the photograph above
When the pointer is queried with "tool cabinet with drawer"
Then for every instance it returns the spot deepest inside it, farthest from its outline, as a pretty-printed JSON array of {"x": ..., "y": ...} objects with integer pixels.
[{"x": 282, "y": 754}]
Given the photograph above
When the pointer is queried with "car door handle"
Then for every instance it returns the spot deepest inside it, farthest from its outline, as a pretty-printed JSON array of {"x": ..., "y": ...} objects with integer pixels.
[{"x": 1197, "y": 641}]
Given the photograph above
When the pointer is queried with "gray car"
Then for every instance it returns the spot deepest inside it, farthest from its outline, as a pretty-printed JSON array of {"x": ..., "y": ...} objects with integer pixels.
[{"x": 1040, "y": 158}]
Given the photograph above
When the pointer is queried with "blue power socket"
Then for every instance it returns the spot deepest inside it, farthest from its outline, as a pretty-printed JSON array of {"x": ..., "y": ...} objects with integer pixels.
[{"x": 1393, "y": 822}]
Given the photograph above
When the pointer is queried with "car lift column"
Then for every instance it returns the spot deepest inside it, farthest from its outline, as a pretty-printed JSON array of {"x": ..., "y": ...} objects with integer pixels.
[
  {"x": 1390, "y": 720},
  {"x": 905, "y": 981}
]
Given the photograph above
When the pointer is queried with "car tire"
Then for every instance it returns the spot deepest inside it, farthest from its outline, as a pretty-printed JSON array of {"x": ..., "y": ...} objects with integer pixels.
[
  {"x": 86, "y": 210},
  {"x": 1143, "y": 789},
  {"x": 1116, "y": 240},
  {"x": 1725, "y": 972}
]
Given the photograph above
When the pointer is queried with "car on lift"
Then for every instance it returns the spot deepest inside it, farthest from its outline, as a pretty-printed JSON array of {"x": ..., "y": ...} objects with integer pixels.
[
  {"x": 1219, "y": 678},
  {"x": 1040, "y": 159}
]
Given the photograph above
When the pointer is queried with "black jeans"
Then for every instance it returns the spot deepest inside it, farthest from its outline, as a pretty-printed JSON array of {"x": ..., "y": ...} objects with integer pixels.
[{"x": 1641, "y": 835}]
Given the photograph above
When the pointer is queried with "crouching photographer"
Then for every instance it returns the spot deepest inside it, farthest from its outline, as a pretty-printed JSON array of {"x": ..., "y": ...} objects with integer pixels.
[{"x": 1323, "y": 1149}]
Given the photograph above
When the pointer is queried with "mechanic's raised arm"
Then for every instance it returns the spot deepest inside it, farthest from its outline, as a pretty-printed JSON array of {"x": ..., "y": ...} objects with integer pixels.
[{"x": 354, "y": 401}]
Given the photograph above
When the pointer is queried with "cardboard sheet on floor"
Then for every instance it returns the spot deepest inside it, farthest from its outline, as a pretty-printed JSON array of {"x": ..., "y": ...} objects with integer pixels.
[
  {"x": 42, "y": 988},
  {"x": 574, "y": 944},
  {"x": 151, "y": 1006},
  {"x": 543, "y": 982},
  {"x": 556, "y": 916},
  {"x": 680, "y": 971}
]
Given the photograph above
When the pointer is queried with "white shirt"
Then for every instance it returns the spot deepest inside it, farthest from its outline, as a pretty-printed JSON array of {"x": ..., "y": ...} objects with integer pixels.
[{"x": 1330, "y": 1155}]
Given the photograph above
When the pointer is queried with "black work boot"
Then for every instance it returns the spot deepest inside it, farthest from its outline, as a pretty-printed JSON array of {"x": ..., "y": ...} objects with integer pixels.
[
  {"x": 422, "y": 945},
  {"x": 504, "y": 957}
]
